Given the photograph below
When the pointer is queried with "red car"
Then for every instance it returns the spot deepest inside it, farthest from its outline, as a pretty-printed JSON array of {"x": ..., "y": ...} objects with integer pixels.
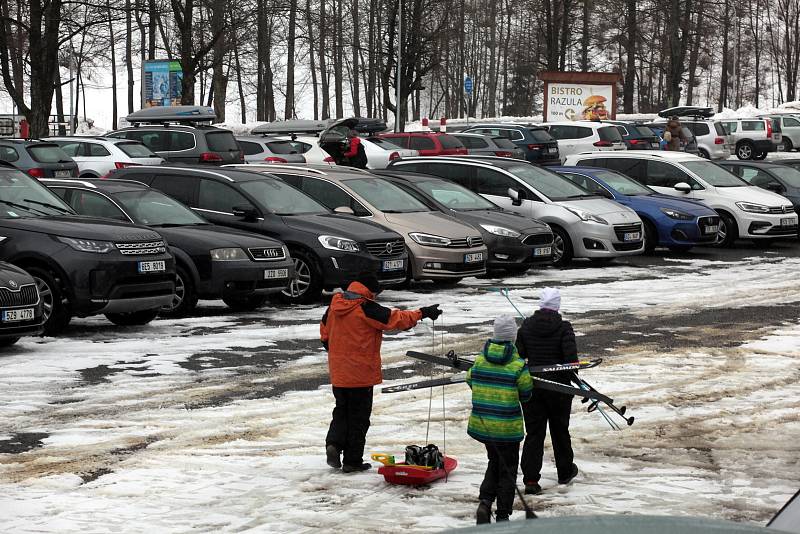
[{"x": 428, "y": 143}]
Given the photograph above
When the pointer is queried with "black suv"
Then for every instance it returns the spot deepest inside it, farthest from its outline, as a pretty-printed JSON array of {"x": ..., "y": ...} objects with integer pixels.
[
  {"x": 211, "y": 261},
  {"x": 39, "y": 159},
  {"x": 328, "y": 249},
  {"x": 20, "y": 305},
  {"x": 177, "y": 135},
  {"x": 83, "y": 266},
  {"x": 540, "y": 147}
]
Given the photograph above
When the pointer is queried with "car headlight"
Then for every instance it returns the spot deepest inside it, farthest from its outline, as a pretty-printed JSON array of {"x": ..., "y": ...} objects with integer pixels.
[
  {"x": 88, "y": 245},
  {"x": 586, "y": 216},
  {"x": 429, "y": 240},
  {"x": 499, "y": 230},
  {"x": 228, "y": 254},
  {"x": 675, "y": 214},
  {"x": 338, "y": 243},
  {"x": 752, "y": 208}
]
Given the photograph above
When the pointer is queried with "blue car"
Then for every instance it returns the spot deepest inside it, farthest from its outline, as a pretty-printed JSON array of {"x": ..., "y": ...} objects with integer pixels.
[{"x": 671, "y": 222}]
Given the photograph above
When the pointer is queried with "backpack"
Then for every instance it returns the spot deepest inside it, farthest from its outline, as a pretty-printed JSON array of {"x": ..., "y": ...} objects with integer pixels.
[{"x": 428, "y": 456}]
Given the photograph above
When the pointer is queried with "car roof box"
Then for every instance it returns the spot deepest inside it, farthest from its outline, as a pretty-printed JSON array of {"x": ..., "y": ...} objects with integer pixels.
[
  {"x": 687, "y": 111},
  {"x": 176, "y": 114},
  {"x": 297, "y": 126}
]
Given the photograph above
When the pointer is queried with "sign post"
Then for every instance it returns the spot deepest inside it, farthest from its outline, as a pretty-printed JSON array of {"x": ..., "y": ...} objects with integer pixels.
[{"x": 468, "y": 86}]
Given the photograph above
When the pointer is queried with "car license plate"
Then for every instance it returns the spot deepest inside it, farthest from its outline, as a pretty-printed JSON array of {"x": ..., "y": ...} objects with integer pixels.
[
  {"x": 655, "y": 146},
  {"x": 63, "y": 174},
  {"x": 270, "y": 274},
  {"x": 789, "y": 221},
  {"x": 152, "y": 266},
  {"x": 473, "y": 258},
  {"x": 780, "y": 148},
  {"x": 552, "y": 150},
  {"x": 25, "y": 314},
  {"x": 542, "y": 251},
  {"x": 632, "y": 236},
  {"x": 394, "y": 265},
  {"x": 711, "y": 229}
]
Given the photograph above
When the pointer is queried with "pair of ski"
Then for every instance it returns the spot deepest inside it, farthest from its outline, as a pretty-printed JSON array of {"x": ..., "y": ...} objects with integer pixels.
[{"x": 585, "y": 391}]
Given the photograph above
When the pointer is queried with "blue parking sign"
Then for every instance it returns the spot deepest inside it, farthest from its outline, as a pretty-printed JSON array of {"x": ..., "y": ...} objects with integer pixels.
[{"x": 468, "y": 85}]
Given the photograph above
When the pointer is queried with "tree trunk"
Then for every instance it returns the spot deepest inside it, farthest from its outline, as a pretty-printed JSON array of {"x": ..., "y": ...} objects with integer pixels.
[
  {"x": 219, "y": 78},
  {"x": 338, "y": 60},
  {"x": 355, "y": 46},
  {"x": 288, "y": 108},
  {"x": 323, "y": 68},
  {"x": 113, "y": 45},
  {"x": 693, "y": 56},
  {"x": 630, "y": 57},
  {"x": 310, "y": 29},
  {"x": 151, "y": 29},
  {"x": 585, "y": 35}
]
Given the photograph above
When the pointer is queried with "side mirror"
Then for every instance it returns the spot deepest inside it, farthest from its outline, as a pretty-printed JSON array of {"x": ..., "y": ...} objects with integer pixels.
[
  {"x": 775, "y": 187},
  {"x": 516, "y": 196},
  {"x": 344, "y": 210},
  {"x": 606, "y": 193},
  {"x": 248, "y": 213},
  {"x": 683, "y": 187}
]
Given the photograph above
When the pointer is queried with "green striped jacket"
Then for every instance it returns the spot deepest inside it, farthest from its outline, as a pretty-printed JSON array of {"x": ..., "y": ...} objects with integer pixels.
[{"x": 500, "y": 381}]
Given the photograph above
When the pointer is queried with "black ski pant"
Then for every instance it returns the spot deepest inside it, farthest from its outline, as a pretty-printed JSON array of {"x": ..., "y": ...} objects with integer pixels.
[
  {"x": 501, "y": 475},
  {"x": 350, "y": 422},
  {"x": 546, "y": 407}
]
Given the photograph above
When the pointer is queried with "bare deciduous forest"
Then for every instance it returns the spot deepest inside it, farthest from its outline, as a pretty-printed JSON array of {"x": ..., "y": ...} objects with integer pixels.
[{"x": 261, "y": 57}]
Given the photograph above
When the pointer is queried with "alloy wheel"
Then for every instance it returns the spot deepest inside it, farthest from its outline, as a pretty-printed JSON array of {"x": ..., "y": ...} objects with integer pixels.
[
  {"x": 558, "y": 248},
  {"x": 177, "y": 296},
  {"x": 745, "y": 152},
  {"x": 722, "y": 231},
  {"x": 46, "y": 295},
  {"x": 301, "y": 281}
]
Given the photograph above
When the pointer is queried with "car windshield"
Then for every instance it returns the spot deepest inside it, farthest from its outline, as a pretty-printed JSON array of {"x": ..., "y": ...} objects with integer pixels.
[
  {"x": 789, "y": 175},
  {"x": 280, "y": 198},
  {"x": 21, "y": 196},
  {"x": 552, "y": 185},
  {"x": 454, "y": 196},
  {"x": 385, "y": 196},
  {"x": 48, "y": 154},
  {"x": 623, "y": 184},
  {"x": 713, "y": 174},
  {"x": 645, "y": 131},
  {"x": 449, "y": 141},
  {"x": 281, "y": 147},
  {"x": 540, "y": 135},
  {"x": 153, "y": 208},
  {"x": 136, "y": 150}
]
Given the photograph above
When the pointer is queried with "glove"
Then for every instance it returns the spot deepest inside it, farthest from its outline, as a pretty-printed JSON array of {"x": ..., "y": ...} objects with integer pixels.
[
  {"x": 325, "y": 345},
  {"x": 431, "y": 312}
]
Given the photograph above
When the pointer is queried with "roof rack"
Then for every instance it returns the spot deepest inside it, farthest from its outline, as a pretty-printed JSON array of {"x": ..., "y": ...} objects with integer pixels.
[
  {"x": 172, "y": 114},
  {"x": 695, "y": 112},
  {"x": 365, "y": 125}
]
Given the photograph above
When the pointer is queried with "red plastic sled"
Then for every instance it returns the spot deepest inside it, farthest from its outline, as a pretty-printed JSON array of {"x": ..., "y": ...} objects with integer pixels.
[{"x": 410, "y": 475}]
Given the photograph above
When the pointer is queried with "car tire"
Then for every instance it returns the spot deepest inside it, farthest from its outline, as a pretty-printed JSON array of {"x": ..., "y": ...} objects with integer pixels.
[
  {"x": 8, "y": 341},
  {"x": 306, "y": 286},
  {"x": 728, "y": 230},
  {"x": 704, "y": 154},
  {"x": 184, "y": 300},
  {"x": 745, "y": 150},
  {"x": 681, "y": 249},
  {"x": 787, "y": 145},
  {"x": 562, "y": 247},
  {"x": 650, "y": 237},
  {"x": 760, "y": 156},
  {"x": 246, "y": 303},
  {"x": 446, "y": 282},
  {"x": 55, "y": 311},
  {"x": 137, "y": 318}
]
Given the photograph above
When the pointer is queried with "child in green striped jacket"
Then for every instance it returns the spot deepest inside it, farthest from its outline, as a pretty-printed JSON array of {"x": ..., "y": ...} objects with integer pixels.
[{"x": 500, "y": 381}]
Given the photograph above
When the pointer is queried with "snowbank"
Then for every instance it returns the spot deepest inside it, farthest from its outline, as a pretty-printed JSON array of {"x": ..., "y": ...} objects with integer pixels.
[
  {"x": 239, "y": 128},
  {"x": 87, "y": 127}
]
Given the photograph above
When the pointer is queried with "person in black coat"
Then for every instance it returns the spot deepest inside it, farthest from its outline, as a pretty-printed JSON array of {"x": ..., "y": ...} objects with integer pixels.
[{"x": 545, "y": 338}]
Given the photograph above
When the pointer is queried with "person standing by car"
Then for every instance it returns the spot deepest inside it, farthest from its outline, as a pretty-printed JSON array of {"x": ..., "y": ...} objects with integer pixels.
[
  {"x": 673, "y": 135},
  {"x": 546, "y": 338},
  {"x": 355, "y": 155},
  {"x": 499, "y": 380},
  {"x": 351, "y": 331}
]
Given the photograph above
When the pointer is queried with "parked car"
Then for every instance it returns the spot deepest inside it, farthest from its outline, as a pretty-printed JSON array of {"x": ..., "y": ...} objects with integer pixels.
[
  {"x": 584, "y": 225},
  {"x": 688, "y": 143},
  {"x": 177, "y": 134},
  {"x": 789, "y": 128},
  {"x": 82, "y": 265},
  {"x": 636, "y": 137},
  {"x": 309, "y": 147},
  {"x": 440, "y": 248},
  {"x": 328, "y": 249},
  {"x": 776, "y": 177},
  {"x": 537, "y": 143},
  {"x": 20, "y": 305},
  {"x": 793, "y": 163},
  {"x": 668, "y": 221},
  {"x": 38, "y": 159},
  {"x": 514, "y": 242},
  {"x": 580, "y": 136},
  {"x": 745, "y": 211},
  {"x": 258, "y": 149},
  {"x": 485, "y": 145},
  {"x": 752, "y": 138},
  {"x": 381, "y": 151},
  {"x": 97, "y": 156},
  {"x": 211, "y": 262},
  {"x": 427, "y": 143}
]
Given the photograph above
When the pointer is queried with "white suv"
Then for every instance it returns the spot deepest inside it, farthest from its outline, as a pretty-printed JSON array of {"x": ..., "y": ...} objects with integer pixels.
[
  {"x": 579, "y": 136},
  {"x": 790, "y": 130},
  {"x": 97, "y": 156},
  {"x": 713, "y": 141},
  {"x": 745, "y": 211},
  {"x": 753, "y": 138}
]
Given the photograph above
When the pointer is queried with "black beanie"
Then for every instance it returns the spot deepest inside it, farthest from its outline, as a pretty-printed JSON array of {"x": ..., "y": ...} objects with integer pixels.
[{"x": 370, "y": 281}]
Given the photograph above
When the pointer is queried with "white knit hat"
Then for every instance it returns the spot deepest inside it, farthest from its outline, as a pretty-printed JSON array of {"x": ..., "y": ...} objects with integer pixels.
[
  {"x": 550, "y": 299},
  {"x": 505, "y": 328}
]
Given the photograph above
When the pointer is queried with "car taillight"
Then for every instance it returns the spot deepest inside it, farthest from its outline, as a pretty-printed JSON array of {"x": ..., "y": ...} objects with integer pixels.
[
  {"x": 603, "y": 143},
  {"x": 210, "y": 157},
  {"x": 393, "y": 156},
  {"x": 329, "y": 160},
  {"x": 123, "y": 164},
  {"x": 275, "y": 159},
  {"x": 241, "y": 156},
  {"x": 502, "y": 154},
  {"x": 769, "y": 127},
  {"x": 36, "y": 172},
  {"x": 535, "y": 147},
  {"x": 719, "y": 141},
  {"x": 632, "y": 141}
]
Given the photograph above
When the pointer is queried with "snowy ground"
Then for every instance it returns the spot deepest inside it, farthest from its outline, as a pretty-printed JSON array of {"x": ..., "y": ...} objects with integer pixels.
[{"x": 217, "y": 423}]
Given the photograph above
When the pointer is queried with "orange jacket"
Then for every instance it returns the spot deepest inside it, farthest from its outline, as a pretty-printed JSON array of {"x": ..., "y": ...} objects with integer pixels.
[{"x": 352, "y": 328}]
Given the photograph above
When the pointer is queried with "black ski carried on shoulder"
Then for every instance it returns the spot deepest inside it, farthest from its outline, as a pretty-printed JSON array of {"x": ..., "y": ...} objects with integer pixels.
[{"x": 463, "y": 364}]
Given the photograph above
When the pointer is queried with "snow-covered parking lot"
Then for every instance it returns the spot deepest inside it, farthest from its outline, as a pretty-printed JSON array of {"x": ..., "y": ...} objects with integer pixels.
[{"x": 217, "y": 422}]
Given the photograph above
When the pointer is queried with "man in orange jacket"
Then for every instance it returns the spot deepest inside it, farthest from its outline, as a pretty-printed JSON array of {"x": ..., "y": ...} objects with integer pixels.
[{"x": 351, "y": 331}]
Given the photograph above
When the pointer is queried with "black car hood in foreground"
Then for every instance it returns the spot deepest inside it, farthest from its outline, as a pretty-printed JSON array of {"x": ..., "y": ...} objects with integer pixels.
[
  {"x": 13, "y": 273},
  {"x": 340, "y": 225},
  {"x": 509, "y": 220},
  {"x": 213, "y": 236},
  {"x": 80, "y": 227}
]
